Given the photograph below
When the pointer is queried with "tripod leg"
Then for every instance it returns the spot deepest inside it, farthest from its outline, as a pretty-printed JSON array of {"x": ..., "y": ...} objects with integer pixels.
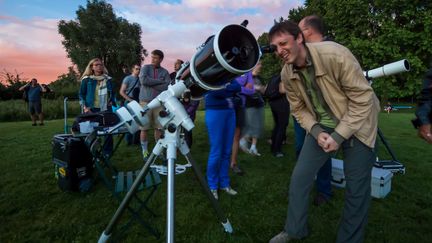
[
  {"x": 124, "y": 204},
  {"x": 171, "y": 156},
  {"x": 220, "y": 214},
  {"x": 384, "y": 141}
]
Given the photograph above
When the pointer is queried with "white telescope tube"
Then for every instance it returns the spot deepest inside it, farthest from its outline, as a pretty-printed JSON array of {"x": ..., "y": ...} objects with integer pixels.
[{"x": 388, "y": 69}]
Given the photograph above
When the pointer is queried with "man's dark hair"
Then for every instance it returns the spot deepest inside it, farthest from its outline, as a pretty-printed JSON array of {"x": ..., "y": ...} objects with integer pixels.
[
  {"x": 158, "y": 53},
  {"x": 285, "y": 26},
  {"x": 315, "y": 23}
]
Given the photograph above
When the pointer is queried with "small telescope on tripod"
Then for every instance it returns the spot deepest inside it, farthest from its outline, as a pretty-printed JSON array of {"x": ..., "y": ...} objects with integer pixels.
[
  {"x": 394, "y": 165},
  {"x": 388, "y": 69}
]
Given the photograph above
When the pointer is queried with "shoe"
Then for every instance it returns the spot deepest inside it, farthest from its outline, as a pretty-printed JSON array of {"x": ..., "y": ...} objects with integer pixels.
[
  {"x": 282, "y": 237},
  {"x": 254, "y": 151},
  {"x": 229, "y": 191},
  {"x": 278, "y": 155},
  {"x": 237, "y": 170},
  {"x": 215, "y": 194},
  {"x": 34, "y": 124},
  {"x": 244, "y": 145},
  {"x": 41, "y": 124},
  {"x": 320, "y": 199},
  {"x": 145, "y": 154}
]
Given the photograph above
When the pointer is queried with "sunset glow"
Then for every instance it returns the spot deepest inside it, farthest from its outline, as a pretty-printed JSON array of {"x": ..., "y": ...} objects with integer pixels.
[{"x": 30, "y": 43}]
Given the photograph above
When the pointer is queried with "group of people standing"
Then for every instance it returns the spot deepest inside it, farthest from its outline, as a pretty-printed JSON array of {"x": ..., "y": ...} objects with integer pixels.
[
  {"x": 142, "y": 85},
  {"x": 333, "y": 107}
]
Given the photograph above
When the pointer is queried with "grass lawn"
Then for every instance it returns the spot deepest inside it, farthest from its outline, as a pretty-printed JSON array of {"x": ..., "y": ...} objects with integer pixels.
[{"x": 33, "y": 209}]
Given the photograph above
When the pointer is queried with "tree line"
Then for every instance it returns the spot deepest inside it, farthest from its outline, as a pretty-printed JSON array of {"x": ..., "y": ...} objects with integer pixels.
[{"x": 377, "y": 32}]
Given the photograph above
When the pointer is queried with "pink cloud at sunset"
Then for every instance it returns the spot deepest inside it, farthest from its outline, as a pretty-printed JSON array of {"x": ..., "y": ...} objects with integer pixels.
[{"x": 32, "y": 46}]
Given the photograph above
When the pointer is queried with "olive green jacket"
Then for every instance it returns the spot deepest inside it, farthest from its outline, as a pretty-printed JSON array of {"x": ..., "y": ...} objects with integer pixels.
[{"x": 350, "y": 99}]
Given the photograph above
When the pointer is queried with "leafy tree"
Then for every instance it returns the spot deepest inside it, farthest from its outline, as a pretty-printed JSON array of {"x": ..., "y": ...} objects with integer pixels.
[
  {"x": 98, "y": 32},
  {"x": 380, "y": 32},
  {"x": 66, "y": 85},
  {"x": 9, "y": 85}
]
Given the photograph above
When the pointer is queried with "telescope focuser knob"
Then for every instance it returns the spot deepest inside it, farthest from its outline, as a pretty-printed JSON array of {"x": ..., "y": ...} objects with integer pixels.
[
  {"x": 172, "y": 128},
  {"x": 163, "y": 113}
]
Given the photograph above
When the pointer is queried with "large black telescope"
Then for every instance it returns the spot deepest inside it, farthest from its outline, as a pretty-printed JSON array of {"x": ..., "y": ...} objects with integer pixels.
[{"x": 232, "y": 52}]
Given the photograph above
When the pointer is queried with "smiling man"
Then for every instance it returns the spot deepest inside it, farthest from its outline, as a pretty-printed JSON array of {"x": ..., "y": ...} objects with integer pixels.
[{"x": 334, "y": 103}]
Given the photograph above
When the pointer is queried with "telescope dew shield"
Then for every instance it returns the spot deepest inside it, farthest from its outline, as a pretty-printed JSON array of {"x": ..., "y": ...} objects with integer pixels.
[
  {"x": 233, "y": 51},
  {"x": 388, "y": 69}
]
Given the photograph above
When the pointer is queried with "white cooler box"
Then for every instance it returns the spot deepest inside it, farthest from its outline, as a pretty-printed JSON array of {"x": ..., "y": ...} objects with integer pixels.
[{"x": 381, "y": 179}]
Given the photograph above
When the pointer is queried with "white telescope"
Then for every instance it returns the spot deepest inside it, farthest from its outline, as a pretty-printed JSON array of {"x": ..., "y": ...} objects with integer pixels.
[{"x": 388, "y": 69}]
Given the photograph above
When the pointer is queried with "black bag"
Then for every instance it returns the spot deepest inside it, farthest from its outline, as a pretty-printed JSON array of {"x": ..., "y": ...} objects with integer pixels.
[
  {"x": 135, "y": 91},
  {"x": 135, "y": 94},
  {"x": 73, "y": 163},
  {"x": 104, "y": 118},
  {"x": 254, "y": 100}
]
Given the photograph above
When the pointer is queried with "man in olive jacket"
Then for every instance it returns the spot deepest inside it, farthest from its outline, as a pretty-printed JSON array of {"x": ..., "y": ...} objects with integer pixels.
[{"x": 334, "y": 103}]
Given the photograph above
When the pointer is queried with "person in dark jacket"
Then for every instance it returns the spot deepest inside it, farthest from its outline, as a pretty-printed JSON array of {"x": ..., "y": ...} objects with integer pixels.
[
  {"x": 424, "y": 109},
  {"x": 279, "y": 105}
]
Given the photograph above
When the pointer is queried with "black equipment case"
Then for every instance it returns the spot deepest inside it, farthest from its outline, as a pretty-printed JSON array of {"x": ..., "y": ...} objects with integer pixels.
[{"x": 73, "y": 163}]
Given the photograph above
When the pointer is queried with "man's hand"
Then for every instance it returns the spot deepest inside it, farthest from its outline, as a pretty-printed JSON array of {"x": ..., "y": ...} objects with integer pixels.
[
  {"x": 86, "y": 109},
  {"x": 330, "y": 145},
  {"x": 425, "y": 132},
  {"x": 322, "y": 138}
]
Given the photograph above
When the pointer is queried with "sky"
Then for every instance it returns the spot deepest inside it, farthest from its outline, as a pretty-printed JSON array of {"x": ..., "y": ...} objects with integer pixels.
[{"x": 31, "y": 46}]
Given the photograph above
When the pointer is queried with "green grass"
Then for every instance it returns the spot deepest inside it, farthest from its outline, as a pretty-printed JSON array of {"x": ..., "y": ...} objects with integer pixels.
[
  {"x": 17, "y": 110},
  {"x": 33, "y": 209}
]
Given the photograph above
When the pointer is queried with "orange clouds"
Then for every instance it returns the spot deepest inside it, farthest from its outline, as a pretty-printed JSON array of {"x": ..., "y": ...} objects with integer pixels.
[{"x": 32, "y": 48}]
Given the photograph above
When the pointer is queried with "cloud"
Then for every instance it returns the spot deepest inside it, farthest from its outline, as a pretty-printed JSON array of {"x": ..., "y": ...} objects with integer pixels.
[
  {"x": 178, "y": 29},
  {"x": 34, "y": 46}
]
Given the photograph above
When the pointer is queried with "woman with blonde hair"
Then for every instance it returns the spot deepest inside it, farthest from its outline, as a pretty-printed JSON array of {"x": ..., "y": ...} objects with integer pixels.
[
  {"x": 96, "y": 94},
  {"x": 96, "y": 91}
]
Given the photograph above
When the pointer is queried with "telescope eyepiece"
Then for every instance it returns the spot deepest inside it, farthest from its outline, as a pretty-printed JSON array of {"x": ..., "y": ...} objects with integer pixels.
[{"x": 268, "y": 49}]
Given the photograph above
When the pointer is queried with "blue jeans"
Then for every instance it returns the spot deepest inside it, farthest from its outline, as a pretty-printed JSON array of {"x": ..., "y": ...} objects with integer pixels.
[
  {"x": 220, "y": 126},
  {"x": 323, "y": 179}
]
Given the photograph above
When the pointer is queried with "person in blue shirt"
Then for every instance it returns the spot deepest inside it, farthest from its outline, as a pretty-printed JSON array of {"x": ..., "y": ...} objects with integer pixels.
[
  {"x": 34, "y": 90},
  {"x": 424, "y": 109},
  {"x": 220, "y": 120}
]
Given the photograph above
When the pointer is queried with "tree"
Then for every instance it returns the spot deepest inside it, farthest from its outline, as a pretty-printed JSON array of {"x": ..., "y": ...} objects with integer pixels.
[
  {"x": 98, "y": 32},
  {"x": 380, "y": 32},
  {"x": 9, "y": 85},
  {"x": 66, "y": 85}
]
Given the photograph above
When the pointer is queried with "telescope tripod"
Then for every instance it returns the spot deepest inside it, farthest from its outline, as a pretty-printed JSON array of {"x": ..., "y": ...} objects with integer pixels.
[
  {"x": 394, "y": 165},
  {"x": 171, "y": 140}
]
